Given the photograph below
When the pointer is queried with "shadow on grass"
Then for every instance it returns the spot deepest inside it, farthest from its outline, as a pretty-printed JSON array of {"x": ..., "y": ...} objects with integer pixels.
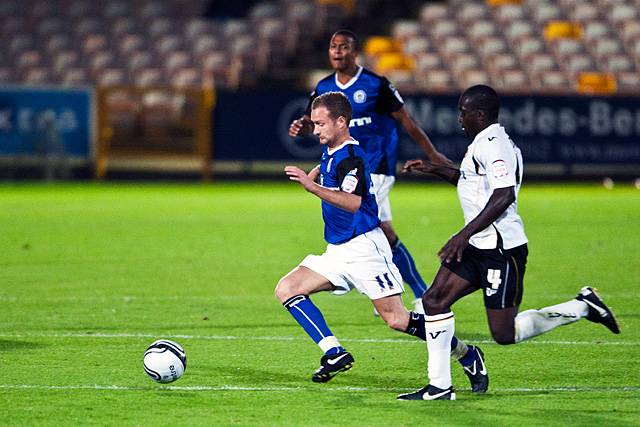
[{"x": 8, "y": 345}]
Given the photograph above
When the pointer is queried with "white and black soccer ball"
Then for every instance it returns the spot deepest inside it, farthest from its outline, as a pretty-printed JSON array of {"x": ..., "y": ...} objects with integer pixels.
[{"x": 165, "y": 361}]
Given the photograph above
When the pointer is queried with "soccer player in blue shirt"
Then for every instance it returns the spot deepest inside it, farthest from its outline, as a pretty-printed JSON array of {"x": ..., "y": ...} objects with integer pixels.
[
  {"x": 358, "y": 254},
  {"x": 377, "y": 108}
]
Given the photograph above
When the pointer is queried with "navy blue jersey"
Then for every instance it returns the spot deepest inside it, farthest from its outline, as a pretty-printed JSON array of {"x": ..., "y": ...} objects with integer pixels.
[
  {"x": 373, "y": 98},
  {"x": 345, "y": 169}
]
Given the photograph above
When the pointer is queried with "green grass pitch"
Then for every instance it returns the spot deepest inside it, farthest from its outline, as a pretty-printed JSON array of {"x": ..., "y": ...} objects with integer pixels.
[{"x": 92, "y": 274}]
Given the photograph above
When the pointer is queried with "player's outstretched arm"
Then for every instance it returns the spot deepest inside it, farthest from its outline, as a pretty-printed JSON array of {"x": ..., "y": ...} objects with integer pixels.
[
  {"x": 301, "y": 127},
  {"x": 418, "y": 135},
  {"x": 341, "y": 199},
  {"x": 500, "y": 200},
  {"x": 448, "y": 173}
]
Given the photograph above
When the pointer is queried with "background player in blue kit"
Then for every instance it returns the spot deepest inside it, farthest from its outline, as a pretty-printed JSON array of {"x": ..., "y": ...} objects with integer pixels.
[
  {"x": 358, "y": 254},
  {"x": 377, "y": 108}
]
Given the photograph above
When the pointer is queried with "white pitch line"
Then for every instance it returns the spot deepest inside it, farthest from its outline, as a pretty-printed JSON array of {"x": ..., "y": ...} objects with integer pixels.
[
  {"x": 624, "y": 389},
  {"x": 288, "y": 338}
]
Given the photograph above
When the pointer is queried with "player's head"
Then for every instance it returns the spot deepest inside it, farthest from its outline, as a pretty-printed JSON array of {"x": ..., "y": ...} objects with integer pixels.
[
  {"x": 331, "y": 114},
  {"x": 478, "y": 107},
  {"x": 343, "y": 50}
]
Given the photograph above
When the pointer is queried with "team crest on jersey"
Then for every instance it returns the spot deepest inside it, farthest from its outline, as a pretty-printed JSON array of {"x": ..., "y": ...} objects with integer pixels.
[{"x": 360, "y": 96}]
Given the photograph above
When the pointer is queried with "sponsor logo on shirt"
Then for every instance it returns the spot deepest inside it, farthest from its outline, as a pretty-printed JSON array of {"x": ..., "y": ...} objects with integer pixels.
[
  {"x": 499, "y": 168},
  {"x": 360, "y": 121}
]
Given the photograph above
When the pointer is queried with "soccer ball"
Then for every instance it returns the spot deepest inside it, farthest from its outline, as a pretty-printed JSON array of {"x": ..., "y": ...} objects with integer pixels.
[{"x": 165, "y": 361}]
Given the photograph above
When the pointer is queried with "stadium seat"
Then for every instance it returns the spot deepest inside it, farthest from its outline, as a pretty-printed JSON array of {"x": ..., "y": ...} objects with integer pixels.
[
  {"x": 63, "y": 60},
  {"x": 111, "y": 77},
  {"x": 472, "y": 77},
  {"x": 416, "y": 45},
  {"x": 187, "y": 78},
  {"x": 123, "y": 26},
  {"x": 616, "y": 63},
  {"x": 145, "y": 77},
  {"x": 74, "y": 77},
  {"x": 437, "y": 80},
  {"x": 431, "y": 13},
  {"x": 168, "y": 43},
  {"x": 37, "y": 76},
  {"x": 377, "y": 45},
  {"x": 591, "y": 83},
  {"x": 56, "y": 43},
  {"x": 512, "y": 81},
  {"x": 427, "y": 61}
]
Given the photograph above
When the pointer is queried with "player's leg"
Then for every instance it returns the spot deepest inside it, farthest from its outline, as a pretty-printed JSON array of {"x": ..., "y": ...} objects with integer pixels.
[
  {"x": 382, "y": 185},
  {"x": 293, "y": 291},
  {"x": 407, "y": 266},
  {"x": 396, "y": 316},
  {"x": 531, "y": 323},
  {"x": 505, "y": 286},
  {"x": 446, "y": 289}
]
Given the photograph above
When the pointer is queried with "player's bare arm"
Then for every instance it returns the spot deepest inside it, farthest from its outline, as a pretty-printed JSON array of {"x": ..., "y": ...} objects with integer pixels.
[
  {"x": 500, "y": 200},
  {"x": 341, "y": 199},
  {"x": 418, "y": 135},
  {"x": 449, "y": 173},
  {"x": 301, "y": 127},
  {"x": 314, "y": 173}
]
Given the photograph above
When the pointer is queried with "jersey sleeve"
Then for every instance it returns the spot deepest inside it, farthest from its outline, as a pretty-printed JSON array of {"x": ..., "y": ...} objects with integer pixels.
[
  {"x": 351, "y": 176},
  {"x": 499, "y": 161},
  {"x": 313, "y": 95},
  {"x": 389, "y": 99}
]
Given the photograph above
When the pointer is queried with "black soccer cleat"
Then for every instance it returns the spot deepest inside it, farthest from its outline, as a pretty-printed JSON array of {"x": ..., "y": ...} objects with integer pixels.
[
  {"x": 477, "y": 371},
  {"x": 331, "y": 365},
  {"x": 429, "y": 392},
  {"x": 598, "y": 310}
]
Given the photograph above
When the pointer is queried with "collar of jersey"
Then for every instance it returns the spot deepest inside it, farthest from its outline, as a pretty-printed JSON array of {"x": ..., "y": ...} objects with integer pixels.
[
  {"x": 488, "y": 130},
  {"x": 350, "y": 82},
  {"x": 330, "y": 151}
]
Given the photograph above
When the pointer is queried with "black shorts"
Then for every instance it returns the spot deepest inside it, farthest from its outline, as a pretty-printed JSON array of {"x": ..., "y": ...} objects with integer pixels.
[{"x": 498, "y": 271}]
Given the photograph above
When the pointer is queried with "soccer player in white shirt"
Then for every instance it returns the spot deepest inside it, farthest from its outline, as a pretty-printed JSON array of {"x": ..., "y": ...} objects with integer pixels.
[{"x": 490, "y": 252}]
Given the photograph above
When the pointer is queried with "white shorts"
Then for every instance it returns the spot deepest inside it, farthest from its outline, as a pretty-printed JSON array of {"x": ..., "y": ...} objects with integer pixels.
[
  {"x": 364, "y": 263},
  {"x": 382, "y": 187}
]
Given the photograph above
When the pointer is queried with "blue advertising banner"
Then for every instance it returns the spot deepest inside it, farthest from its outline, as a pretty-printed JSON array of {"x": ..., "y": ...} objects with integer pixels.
[
  {"x": 37, "y": 121},
  {"x": 549, "y": 130}
]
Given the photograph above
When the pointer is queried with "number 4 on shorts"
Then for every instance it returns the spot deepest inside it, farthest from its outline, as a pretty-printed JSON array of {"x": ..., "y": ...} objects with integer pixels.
[{"x": 493, "y": 277}]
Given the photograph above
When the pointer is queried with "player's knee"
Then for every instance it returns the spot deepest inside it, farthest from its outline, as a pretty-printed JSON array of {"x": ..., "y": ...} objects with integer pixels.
[
  {"x": 433, "y": 303},
  {"x": 503, "y": 337},
  {"x": 285, "y": 289}
]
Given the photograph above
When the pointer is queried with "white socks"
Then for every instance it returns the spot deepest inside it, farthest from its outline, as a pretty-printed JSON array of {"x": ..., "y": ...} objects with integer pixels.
[
  {"x": 439, "y": 331},
  {"x": 531, "y": 323}
]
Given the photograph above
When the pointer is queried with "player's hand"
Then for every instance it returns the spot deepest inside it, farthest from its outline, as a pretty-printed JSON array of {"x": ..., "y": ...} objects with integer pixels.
[
  {"x": 417, "y": 165},
  {"x": 440, "y": 159},
  {"x": 296, "y": 174},
  {"x": 454, "y": 248},
  {"x": 297, "y": 128},
  {"x": 314, "y": 173}
]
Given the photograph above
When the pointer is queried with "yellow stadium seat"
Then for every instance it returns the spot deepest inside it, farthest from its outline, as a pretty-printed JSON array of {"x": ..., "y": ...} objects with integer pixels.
[
  {"x": 393, "y": 61},
  {"x": 502, "y": 2},
  {"x": 562, "y": 29},
  {"x": 347, "y": 5},
  {"x": 590, "y": 83},
  {"x": 377, "y": 45}
]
